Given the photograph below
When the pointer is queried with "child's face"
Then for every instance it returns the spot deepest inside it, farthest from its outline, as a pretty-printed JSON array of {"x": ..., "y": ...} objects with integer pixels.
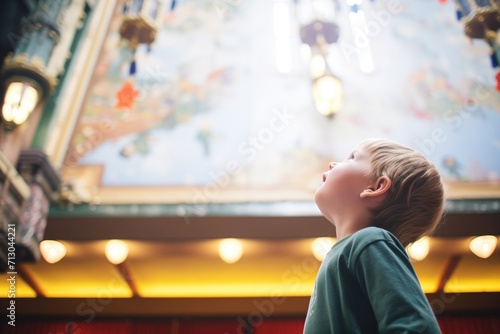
[{"x": 343, "y": 183}]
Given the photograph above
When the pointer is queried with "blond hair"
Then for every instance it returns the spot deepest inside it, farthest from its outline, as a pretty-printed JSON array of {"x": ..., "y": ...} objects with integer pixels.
[{"x": 415, "y": 202}]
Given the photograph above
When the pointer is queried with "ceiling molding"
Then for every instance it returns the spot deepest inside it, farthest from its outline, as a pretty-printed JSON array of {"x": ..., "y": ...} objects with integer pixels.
[
  {"x": 285, "y": 208},
  {"x": 260, "y": 225}
]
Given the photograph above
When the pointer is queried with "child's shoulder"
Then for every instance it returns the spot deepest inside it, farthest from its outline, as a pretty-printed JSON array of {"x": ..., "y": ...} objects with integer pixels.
[
  {"x": 363, "y": 244},
  {"x": 372, "y": 234},
  {"x": 372, "y": 240}
]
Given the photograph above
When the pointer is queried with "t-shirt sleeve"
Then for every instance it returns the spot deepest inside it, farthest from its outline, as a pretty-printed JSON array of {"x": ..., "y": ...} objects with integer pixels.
[{"x": 385, "y": 274}]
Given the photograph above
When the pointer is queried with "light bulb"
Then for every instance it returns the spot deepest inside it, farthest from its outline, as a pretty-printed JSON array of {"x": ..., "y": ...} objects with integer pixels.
[
  {"x": 483, "y": 246},
  {"x": 327, "y": 94},
  {"x": 116, "y": 251},
  {"x": 419, "y": 249},
  {"x": 230, "y": 250},
  {"x": 321, "y": 246},
  {"x": 20, "y": 100},
  {"x": 52, "y": 251},
  {"x": 318, "y": 66}
]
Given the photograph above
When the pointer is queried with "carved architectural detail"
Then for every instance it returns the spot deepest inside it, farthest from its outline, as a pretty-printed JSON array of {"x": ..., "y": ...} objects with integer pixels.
[{"x": 44, "y": 183}]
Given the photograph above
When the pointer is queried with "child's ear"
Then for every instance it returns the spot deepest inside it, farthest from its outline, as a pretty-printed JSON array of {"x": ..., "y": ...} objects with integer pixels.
[{"x": 379, "y": 187}]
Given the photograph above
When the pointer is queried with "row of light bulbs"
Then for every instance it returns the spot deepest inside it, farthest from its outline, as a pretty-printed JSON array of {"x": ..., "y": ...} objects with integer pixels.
[
  {"x": 116, "y": 251},
  {"x": 54, "y": 251},
  {"x": 482, "y": 246},
  {"x": 231, "y": 250}
]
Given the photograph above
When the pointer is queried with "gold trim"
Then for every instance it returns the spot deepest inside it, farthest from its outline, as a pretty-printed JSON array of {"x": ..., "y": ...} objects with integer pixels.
[
  {"x": 57, "y": 144},
  {"x": 472, "y": 190},
  {"x": 38, "y": 63},
  {"x": 211, "y": 194},
  {"x": 34, "y": 64},
  {"x": 16, "y": 181},
  {"x": 194, "y": 196},
  {"x": 19, "y": 59}
]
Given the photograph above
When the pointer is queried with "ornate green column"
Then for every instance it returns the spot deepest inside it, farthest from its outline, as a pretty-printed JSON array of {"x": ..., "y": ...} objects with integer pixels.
[
  {"x": 28, "y": 76},
  {"x": 40, "y": 35}
]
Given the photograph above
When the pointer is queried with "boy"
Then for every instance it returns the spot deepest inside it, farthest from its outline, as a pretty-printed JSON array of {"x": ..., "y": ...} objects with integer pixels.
[{"x": 380, "y": 199}]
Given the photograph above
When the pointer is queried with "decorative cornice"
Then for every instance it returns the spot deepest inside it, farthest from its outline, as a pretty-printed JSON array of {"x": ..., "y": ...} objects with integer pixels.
[
  {"x": 271, "y": 209},
  {"x": 34, "y": 165}
]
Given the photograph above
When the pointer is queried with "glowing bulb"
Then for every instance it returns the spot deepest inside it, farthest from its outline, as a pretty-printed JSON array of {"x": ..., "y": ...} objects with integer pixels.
[
  {"x": 483, "y": 246},
  {"x": 230, "y": 250},
  {"x": 52, "y": 251},
  {"x": 327, "y": 94},
  {"x": 419, "y": 249},
  {"x": 116, "y": 251},
  {"x": 20, "y": 100},
  {"x": 321, "y": 246},
  {"x": 318, "y": 66}
]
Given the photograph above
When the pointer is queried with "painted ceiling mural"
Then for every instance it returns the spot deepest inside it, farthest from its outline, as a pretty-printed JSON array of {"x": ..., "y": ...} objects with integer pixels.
[{"x": 223, "y": 95}]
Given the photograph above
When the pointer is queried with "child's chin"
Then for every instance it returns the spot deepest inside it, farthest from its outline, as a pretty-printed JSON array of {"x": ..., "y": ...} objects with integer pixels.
[
  {"x": 317, "y": 195},
  {"x": 319, "y": 198}
]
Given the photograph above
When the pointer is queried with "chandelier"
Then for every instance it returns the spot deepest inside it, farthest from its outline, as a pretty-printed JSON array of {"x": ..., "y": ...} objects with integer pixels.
[{"x": 481, "y": 19}]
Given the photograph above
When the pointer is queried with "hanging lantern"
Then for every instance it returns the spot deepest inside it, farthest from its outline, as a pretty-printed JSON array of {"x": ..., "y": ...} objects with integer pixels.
[
  {"x": 327, "y": 94},
  {"x": 310, "y": 33},
  {"x": 326, "y": 87},
  {"x": 141, "y": 21},
  {"x": 481, "y": 20},
  {"x": 479, "y": 16},
  {"x": 25, "y": 75}
]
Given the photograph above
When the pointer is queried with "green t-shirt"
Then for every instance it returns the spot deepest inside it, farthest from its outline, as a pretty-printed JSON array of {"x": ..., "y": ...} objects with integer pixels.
[{"x": 366, "y": 284}]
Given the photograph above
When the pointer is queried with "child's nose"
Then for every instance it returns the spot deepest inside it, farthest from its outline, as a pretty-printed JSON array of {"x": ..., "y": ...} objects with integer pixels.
[{"x": 331, "y": 165}]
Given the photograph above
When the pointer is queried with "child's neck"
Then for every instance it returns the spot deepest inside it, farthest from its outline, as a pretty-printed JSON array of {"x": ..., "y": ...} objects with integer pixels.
[
  {"x": 346, "y": 227},
  {"x": 343, "y": 233}
]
